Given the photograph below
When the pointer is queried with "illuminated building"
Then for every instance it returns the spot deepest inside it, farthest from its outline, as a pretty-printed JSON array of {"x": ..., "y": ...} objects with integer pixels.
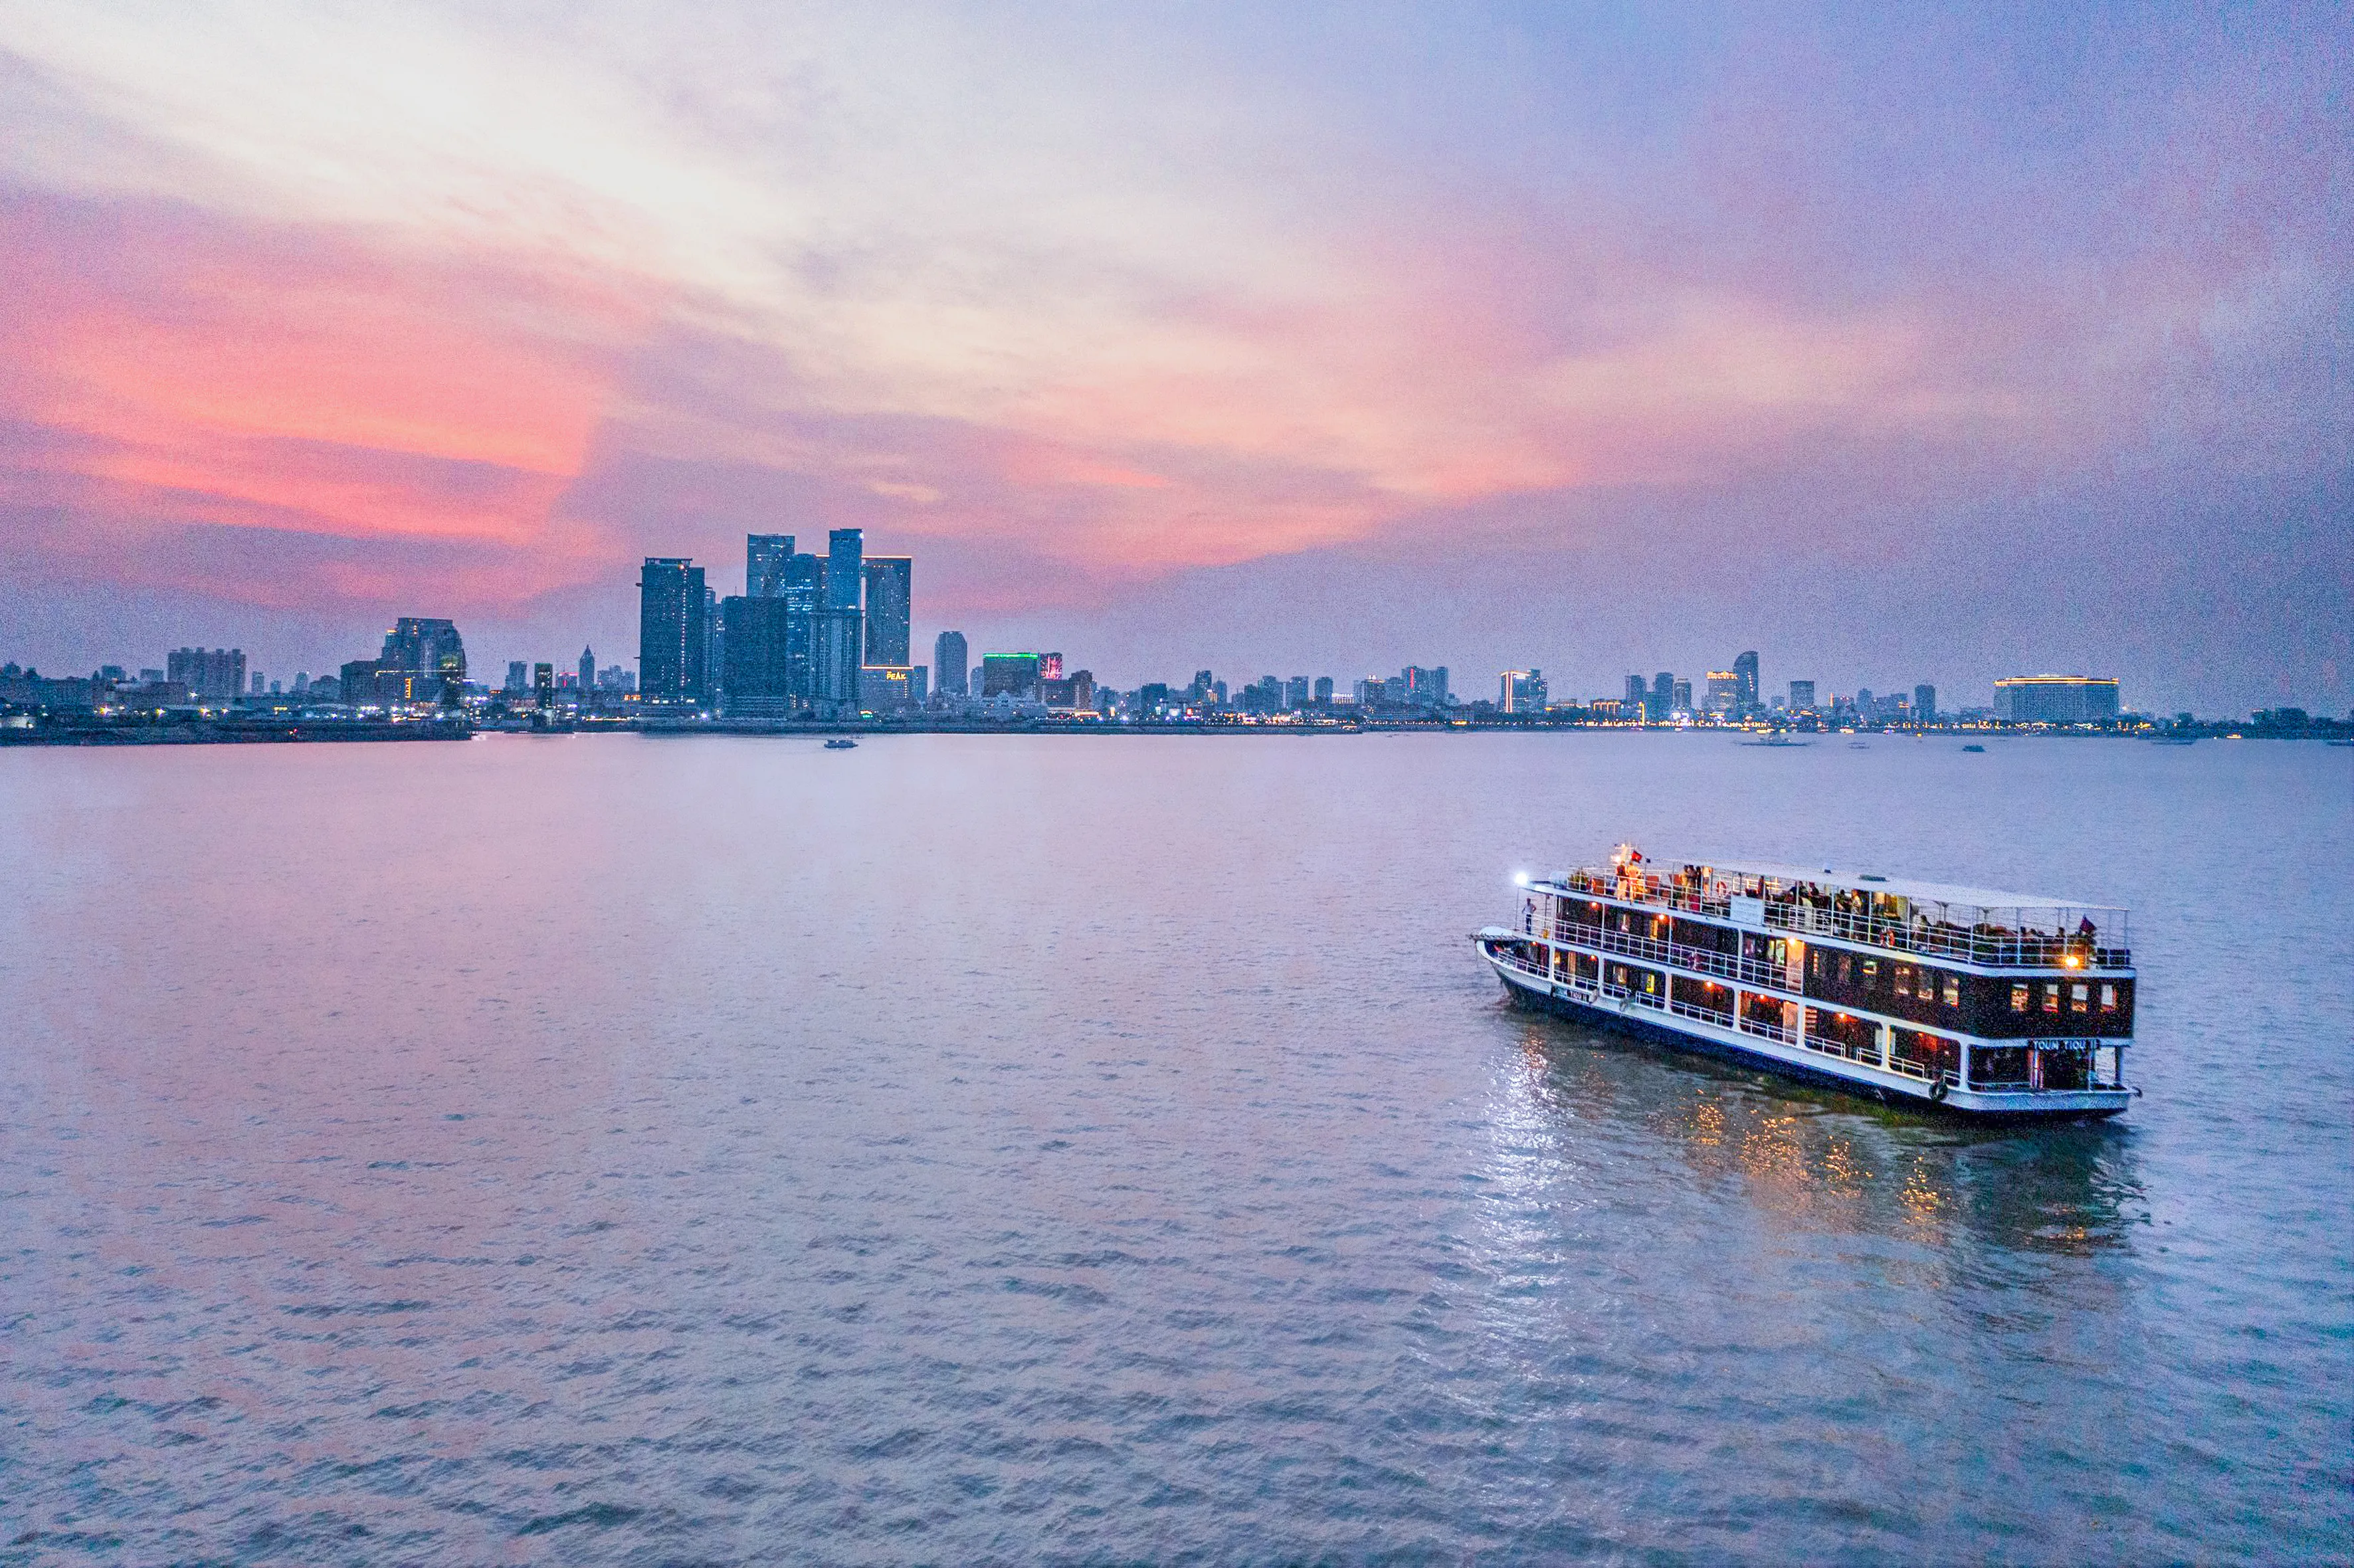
[
  {"x": 1521, "y": 692},
  {"x": 674, "y": 637},
  {"x": 1744, "y": 671},
  {"x": 765, "y": 555},
  {"x": 1802, "y": 696},
  {"x": 2055, "y": 699},
  {"x": 890, "y": 587},
  {"x": 1015, "y": 675}
]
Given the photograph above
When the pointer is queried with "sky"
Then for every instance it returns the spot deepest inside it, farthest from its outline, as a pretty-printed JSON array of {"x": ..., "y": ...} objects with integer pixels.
[{"x": 1897, "y": 342}]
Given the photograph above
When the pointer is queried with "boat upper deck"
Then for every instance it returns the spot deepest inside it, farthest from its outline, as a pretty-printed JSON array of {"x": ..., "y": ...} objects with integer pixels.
[{"x": 1974, "y": 925}]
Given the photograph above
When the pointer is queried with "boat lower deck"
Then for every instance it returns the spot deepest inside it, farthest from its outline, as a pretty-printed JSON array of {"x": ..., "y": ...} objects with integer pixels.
[{"x": 1686, "y": 1028}]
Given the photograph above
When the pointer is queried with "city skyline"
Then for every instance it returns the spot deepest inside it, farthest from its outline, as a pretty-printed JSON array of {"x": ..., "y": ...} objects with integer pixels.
[{"x": 1418, "y": 337}]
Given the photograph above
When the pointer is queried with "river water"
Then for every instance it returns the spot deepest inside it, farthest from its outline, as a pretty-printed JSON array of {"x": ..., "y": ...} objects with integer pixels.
[{"x": 965, "y": 1149}]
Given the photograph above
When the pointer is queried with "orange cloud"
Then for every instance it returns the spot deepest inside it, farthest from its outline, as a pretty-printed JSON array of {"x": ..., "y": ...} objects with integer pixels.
[{"x": 193, "y": 372}]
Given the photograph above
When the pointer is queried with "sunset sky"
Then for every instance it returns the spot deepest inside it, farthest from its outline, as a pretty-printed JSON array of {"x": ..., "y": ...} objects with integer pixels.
[{"x": 1895, "y": 342}]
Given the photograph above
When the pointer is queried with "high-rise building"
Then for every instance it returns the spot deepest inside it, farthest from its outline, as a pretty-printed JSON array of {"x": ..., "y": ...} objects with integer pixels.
[
  {"x": 1681, "y": 702},
  {"x": 588, "y": 671},
  {"x": 674, "y": 638},
  {"x": 542, "y": 684},
  {"x": 1425, "y": 688},
  {"x": 1660, "y": 700},
  {"x": 837, "y": 644},
  {"x": 1295, "y": 692},
  {"x": 890, "y": 591},
  {"x": 1635, "y": 692},
  {"x": 211, "y": 674},
  {"x": 430, "y": 655},
  {"x": 1723, "y": 691},
  {"x": 1802, "y": 696},
  {"x": 1521, "y": 692},
  {"x": 518, "y": 675},
  {"x": 804, "y": 593},
  {"x": 757, "y": 682},
  {"x": 765, "y": 555},
  {"x": 1925, "y": 704},
  {"x": 2055, "y": 699},
  {"x": 949, "y": 660},
  {"x": 1323, "y": 691}
]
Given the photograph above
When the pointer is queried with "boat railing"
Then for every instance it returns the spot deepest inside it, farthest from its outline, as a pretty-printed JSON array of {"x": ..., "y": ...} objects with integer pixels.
[
  {"x": 1707, "y": 960},
  {"x": 1916, "y": 933},
  {"x": 1705, "y": 1014}
]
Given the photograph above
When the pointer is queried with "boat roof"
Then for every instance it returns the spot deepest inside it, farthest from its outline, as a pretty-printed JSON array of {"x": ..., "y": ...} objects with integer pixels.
[{"x": 1917, "y": 891}]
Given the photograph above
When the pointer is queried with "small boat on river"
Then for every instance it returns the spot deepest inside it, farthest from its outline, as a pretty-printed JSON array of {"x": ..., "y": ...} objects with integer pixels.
[
  {"x": 841, "y": 744},
  {"x": 1987, "y": 1004}
]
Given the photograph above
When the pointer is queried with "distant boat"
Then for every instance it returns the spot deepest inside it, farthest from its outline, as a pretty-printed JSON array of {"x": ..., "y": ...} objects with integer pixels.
[
  {"x": 2174, "y": 740},
  {"x": 1859, "y": 746},
  {"x": 1974, "y": 747},
  {"x": 841, "y": 745}
]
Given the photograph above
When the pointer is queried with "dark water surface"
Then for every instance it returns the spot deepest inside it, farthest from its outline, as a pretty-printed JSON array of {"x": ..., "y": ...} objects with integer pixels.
[{"x": 962, "y": 1149}]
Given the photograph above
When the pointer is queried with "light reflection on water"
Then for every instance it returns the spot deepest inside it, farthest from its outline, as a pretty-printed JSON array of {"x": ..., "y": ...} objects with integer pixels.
[{"x": 1001, "y": 1150}]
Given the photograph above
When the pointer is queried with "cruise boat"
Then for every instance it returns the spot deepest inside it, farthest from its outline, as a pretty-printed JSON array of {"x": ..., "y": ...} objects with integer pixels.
[{"x": 1983, "y": 1003}]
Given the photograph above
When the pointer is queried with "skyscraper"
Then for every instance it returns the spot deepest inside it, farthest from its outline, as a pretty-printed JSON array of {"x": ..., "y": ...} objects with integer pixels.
[
  {"x": 890, "y": 590},
  {"x": 765, "y": 555},
  {"x": 1925, "y": 704},
  {"x": 587, "y": 672},
  {"x": 518, "y": 675},
  {"x": 948, "y": 662},
  {"x": 838, "y": 646},
  {"x": 1802, "y": 695},
  {"x": 1744, "y": 670},
  {"x": 1635, "y": 692},
  {"x": 1521, "y": 692},
  {"x": 673, "y": 641},
  {"x": 1660, "y": 700},
  {"x": 1323, "y": 691},
  {"x": 1681, "y": 702}
]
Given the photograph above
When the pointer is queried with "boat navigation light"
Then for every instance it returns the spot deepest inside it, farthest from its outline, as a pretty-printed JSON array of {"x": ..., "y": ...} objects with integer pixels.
[{"x": 1520, "y": 879}]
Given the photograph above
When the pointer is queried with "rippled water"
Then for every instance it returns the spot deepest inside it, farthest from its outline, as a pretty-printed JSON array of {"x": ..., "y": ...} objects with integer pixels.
[{"x": 607, "y": 1149}]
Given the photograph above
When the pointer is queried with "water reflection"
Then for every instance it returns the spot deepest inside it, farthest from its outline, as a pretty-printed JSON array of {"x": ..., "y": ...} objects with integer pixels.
[{"x": 1808, "y": 1157}]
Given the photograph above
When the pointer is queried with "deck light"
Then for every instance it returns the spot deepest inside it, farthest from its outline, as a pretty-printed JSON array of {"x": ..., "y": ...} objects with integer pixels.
[{"x": 1520, "y": 879}]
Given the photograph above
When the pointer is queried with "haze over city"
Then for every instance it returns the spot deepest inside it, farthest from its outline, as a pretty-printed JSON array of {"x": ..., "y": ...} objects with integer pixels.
[{"x": 1906, "y": 345}]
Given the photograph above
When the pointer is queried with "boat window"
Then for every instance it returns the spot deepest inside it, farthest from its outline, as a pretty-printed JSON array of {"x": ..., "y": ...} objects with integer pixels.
[
  {"x": 1905, "y": 979},
  {"x": 1818, "y": 963},
  {"x": 2019, "y": 999},
  {"x": 1846, "y": 968},
  {"x": 2080, "y": 998},
  {"x": 1870, "y": 970},
  {"x": 1952, "y": 990},
  {"x": 2108, "y": 999},
  {"x": 2052, "y": 996}
]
